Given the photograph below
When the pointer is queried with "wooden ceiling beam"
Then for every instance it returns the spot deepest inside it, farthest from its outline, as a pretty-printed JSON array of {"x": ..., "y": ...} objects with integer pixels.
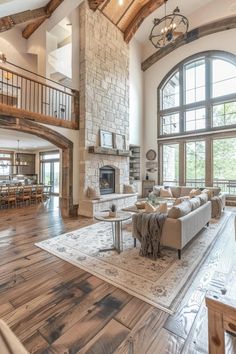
[
  {"x": 32, "y": 27},
  {"x": 144, "y": 12},
  {"x": 49, "y": 9},
  {"x": 94, "y": 4},
  {"x": 199, "y": 32},
  {"x": 10, "y": 21}
]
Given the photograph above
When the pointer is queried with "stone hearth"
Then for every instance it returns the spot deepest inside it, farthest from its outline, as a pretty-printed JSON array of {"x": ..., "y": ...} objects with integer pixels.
[{"x": 91, "y": 207}]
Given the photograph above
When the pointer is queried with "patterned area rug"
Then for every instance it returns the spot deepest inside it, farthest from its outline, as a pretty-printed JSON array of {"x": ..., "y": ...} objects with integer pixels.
[{"x": 161, "y": 283}]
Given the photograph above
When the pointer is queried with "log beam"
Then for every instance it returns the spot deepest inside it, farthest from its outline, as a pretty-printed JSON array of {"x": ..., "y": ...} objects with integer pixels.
[
  {"x": 199, "y": 32},
  {"x": 8, "y": 22},
  {"x": 49, "y": 9},
  {"x": 94, "y": 4},
  {"x": 144, "y": 12}
]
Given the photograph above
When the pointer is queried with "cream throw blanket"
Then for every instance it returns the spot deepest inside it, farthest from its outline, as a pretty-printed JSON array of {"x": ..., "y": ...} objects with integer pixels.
[{"x": 147, "y": 228}]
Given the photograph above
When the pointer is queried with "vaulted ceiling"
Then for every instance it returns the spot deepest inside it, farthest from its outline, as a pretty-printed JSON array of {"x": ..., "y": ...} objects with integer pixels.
[{"x": 127, "y": 16}]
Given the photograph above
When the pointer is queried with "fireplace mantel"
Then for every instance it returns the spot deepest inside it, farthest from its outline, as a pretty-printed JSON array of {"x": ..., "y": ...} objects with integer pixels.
[{"x": 107, "y": 151}]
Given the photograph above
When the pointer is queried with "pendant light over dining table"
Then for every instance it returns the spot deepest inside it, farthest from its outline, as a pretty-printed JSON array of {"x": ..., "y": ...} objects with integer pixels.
[{"x": 168, "y": 28}]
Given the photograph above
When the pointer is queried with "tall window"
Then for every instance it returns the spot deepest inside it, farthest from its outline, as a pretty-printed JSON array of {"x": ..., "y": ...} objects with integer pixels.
[
  {"x": 224, "y": 164},
  {"x": 170, "y": 172},
  {"x": 198, "y": 95},
  {"x": 197, "y": 109},
  {"x": 195, "y": 163}
]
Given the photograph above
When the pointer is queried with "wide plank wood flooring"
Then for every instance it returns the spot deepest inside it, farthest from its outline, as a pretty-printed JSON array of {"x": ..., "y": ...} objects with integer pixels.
[{"x": 54, "y": 307}]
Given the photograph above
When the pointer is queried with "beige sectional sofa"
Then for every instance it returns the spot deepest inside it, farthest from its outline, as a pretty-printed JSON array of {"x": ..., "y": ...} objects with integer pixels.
[
  {"x": 176, "y": 233},
  {"x": 186, "y": 219},
  {"x": 182, "y": 191}
]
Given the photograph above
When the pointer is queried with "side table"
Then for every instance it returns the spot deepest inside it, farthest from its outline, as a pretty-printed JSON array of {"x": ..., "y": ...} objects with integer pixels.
[{"x": 121, "y": 216}]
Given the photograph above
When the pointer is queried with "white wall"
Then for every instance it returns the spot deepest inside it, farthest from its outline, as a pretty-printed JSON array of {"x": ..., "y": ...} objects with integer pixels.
[
  {"x": 14, "y": 46},
  {"x": 75, "y": 48},
  {"x": 37, "y": 44},
  {"x": 135, "y": 94},
  {"x": 51, "y": 45}
]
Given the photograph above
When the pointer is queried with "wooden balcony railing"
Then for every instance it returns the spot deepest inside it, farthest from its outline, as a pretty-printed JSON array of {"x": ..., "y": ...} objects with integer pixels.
[{"x": 39, "y": 99}]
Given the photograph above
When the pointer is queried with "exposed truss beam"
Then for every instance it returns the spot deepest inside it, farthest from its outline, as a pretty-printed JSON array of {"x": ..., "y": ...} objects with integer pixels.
[
  {"x": 49, "y": 9},
  {"x": 199, "y": 32},
  {"x": 8, "y": 22},
  {"x": 94, "y": 4},
  {"x": 145, "y": 11}
]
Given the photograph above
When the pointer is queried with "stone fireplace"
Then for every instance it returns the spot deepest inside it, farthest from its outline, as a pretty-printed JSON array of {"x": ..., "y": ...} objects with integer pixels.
[
  {"x": 107, "y": 180},
  {"x": 104, "y": 105}
]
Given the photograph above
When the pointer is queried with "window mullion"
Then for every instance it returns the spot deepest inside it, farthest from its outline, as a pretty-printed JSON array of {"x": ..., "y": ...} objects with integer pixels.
[
  {"x": 181, "y": 99},
  {"x": 208, "y": 78}
]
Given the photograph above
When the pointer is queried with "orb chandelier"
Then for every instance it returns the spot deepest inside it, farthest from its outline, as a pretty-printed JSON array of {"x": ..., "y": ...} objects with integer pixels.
[{"x": 168, "y": 28}]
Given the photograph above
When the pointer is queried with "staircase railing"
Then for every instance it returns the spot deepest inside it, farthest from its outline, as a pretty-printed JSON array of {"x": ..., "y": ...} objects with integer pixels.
[{"x": 36, "y": 99}]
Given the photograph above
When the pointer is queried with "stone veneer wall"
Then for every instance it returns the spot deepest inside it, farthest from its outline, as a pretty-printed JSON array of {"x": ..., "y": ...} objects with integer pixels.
[{"x": 104, "y": 95}]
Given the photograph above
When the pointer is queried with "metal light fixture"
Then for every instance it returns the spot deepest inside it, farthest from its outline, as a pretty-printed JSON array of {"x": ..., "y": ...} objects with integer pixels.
[
  {"x": 168, "y": 28},
  {"x": 18, "y": 162},
  {"x": 121, "y": 2}
]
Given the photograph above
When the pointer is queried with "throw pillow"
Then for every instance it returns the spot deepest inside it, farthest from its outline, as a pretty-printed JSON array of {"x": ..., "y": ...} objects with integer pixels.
[
  {"x": 92, "y": 193},
  {"x": 181, "y": 199},
  {"x": 149, "y": 208},
  {"x": 176, "y": 191},
  {"x": 162, "y": 208},
  {"x": 203, "y": 198},
  {"x": 177, "y": 211},
  {"x": 195, "y": 203},
  {"x": 166, "y": 193},
  {"x": 209, "y": 192},
  {"x": 156, "y": 190},
  {"x": 194, "y": 192},
  {"x": 129, "y": 189}
]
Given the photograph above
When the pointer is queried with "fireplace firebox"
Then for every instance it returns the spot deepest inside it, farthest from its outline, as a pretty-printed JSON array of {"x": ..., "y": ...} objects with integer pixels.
[{"x": 107, "y": 180}]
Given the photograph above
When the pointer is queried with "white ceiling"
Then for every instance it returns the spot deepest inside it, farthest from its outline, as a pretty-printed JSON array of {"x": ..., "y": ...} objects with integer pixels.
[
  {"x": 186, "y": 8},
  {"x": 10, "y": 7},
  {"x": 8, "y": 140}
]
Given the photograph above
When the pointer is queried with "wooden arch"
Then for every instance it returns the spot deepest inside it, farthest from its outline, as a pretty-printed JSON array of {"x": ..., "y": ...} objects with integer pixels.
[{"x": 27, "y": 126}]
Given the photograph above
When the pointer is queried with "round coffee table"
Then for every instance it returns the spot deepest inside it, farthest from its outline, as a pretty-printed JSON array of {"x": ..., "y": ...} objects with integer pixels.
[{"x": 121, "y": 216}]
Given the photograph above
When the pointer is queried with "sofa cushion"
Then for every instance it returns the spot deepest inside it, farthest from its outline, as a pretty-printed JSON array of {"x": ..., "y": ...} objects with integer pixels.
[
  {"x": 194, "y": 192},
  {"x": 180, "y": 210},
  {"x": 175, "y": 191},
  {"x": 166, "y": 193},
  {"x": 203, "y": 198},
  {"x": 181, "y": 199},
  {"x": 185, "y": 191},
  {"x": 195, "y": 203}
]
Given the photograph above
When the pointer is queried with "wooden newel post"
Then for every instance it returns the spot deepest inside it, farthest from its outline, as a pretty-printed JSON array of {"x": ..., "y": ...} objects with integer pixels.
[{"x": 221, "y": 318}]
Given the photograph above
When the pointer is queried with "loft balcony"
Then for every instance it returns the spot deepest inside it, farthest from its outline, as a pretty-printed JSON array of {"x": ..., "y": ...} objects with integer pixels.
[{"x": 37, "y": 98}]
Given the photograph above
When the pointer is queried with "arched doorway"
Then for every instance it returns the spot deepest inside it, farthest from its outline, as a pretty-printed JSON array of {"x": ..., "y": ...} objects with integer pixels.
[{"x": 27, "y": 126}]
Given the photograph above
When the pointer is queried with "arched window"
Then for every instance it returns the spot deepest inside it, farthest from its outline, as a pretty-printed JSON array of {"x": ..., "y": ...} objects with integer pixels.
[
  {"x": 198, "y": 95},
  {"x": 197, "y": 122}
]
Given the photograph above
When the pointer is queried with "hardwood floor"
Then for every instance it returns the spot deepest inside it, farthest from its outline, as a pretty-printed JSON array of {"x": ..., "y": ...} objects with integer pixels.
[{"x": 54, "y": 307}]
